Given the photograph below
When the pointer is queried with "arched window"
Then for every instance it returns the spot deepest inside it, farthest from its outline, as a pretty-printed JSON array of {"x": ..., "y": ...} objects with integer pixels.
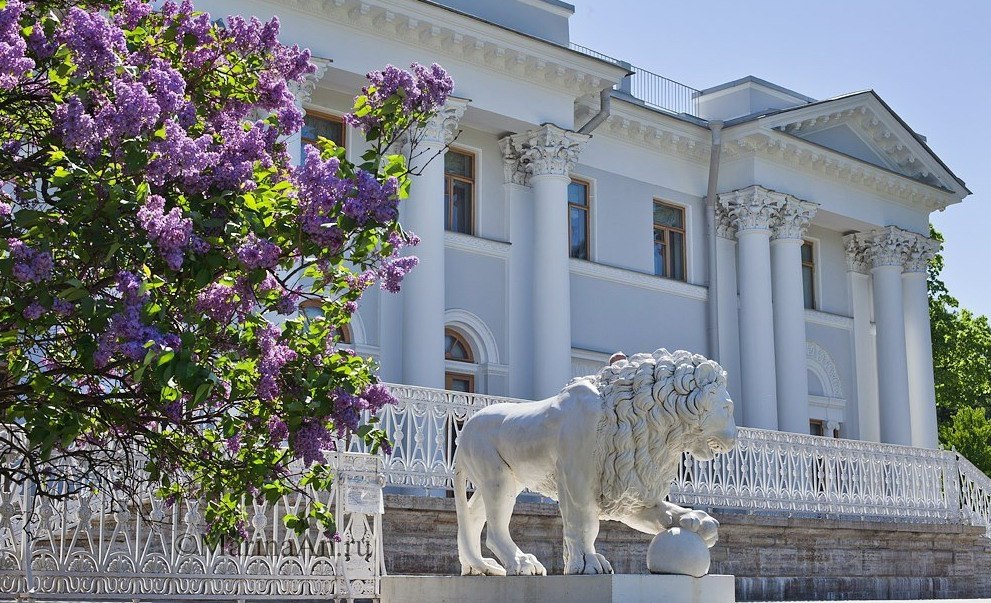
[
  {"x": 457, "y": 349},
  {"x": 311, "y": 309}
]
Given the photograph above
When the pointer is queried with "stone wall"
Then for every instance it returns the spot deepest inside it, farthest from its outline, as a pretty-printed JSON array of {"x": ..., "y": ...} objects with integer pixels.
[{"x": 772, "y": 557}]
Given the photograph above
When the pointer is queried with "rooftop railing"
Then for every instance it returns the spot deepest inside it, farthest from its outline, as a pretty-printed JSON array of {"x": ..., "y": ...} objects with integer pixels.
[{"x": 655, "y": 91}]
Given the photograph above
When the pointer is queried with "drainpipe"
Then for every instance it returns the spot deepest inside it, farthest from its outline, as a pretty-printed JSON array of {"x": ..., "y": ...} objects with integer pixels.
[
  {"x": 715, "y": 126},
  {"x": 604, "y": 99}
]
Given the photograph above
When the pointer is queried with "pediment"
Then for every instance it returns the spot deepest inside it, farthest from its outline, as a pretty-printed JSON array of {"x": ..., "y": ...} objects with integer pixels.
[{"x": 863, "y": 127}]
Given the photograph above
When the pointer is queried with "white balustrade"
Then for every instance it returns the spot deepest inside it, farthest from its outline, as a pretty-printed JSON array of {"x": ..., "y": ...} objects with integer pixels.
[
  {"x": 86, "y": 547},
  {"x": 767, "y": 472}
]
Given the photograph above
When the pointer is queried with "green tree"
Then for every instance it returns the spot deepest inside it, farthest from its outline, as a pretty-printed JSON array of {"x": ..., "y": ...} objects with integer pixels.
[{"x": 962, "y": 369}]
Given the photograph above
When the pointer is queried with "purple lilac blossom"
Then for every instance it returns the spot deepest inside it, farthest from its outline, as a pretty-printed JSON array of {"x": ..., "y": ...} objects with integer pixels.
[
  {"x": 95, "y": 43},
  {"x": 310, "y": 440},
  {"x": 217, "y": 302},
  {"x": 13, "y": 64},
  {"x": 277, "y": 430},
  {"x": 395, "y": 269},
  {"x": 258, "y": 253},
  {"x": 34, "y": 311},
  {"x": 169, "y": 231},
  {"x": 274, "y": 356},
  {"x": 425, "y": 89},
  {"x": 30, "y": 265}
]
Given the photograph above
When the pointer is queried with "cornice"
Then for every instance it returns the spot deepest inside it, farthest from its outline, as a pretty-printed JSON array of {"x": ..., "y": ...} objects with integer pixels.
[
  {"x": 651, "y": 130},
  {"x": 825, "y": 319},
  {"x": 477, "y": 245},
  {"x": 638, "y": 279},
  {"x": 448, "y": 33},
  {"x": 813, "y": 159}
]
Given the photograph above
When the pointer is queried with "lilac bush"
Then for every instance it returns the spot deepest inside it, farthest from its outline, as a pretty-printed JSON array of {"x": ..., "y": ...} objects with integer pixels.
[{"x": 156, "y": 243}]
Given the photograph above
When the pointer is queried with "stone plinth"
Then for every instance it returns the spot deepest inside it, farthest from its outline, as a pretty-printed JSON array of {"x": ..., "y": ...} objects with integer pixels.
[{"x": 606, "y": 588}]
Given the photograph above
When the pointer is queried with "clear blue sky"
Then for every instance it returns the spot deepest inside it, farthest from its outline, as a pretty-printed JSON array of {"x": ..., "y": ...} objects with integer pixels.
[{"x": 931, "y": 62}]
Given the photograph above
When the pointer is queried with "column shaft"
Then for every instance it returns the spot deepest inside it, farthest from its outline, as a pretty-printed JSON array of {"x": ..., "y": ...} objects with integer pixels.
[
  {"x": 918, "y": 340},
  {"x": 423, "y": 289},
  {"x": 789, "y": 335},
  {"x": 892, "y": 372},
  {"x": 756, "y": 328},
  {"x": 729, "y": 322},
  {"x": 865, "y": 359}
]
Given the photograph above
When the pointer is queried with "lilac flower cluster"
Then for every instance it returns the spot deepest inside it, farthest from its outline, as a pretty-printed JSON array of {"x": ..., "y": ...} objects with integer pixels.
[
  {"x": 320, "y": 192},
  {"x": 216, "y": 300},
  {"x": 395, "y": 269},
  {"x": 259, "y": 253},
  {"x": 348, "y": 407},
  {"x": 95, "y": 43},
  {"x": 30, "y": 265},
  {"x": 423, "y": 90},
  {"x": 127, "y": 334},
  {"x": 34, "y": 311},
  {"x": 277, "y": 430},
  {"x": 170, "y": 231},
  {"x": 13, "y": 63},
  {"x": 372, "y": 200},
  {"x": 274, "y": 356},
  {"x": 310, "y": 441}
]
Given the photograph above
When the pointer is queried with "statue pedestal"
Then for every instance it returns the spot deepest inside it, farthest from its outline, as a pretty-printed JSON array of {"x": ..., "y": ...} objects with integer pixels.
[{"x": 625, "y": 588}]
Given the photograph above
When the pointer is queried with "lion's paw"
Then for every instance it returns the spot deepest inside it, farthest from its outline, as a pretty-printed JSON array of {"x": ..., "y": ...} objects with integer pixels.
[
  {"x": 588, "y": 563},
  {"x": 702, "y": 524},
  {"x": 526, "y": 564},
  {"x": 488, "y": 567}
]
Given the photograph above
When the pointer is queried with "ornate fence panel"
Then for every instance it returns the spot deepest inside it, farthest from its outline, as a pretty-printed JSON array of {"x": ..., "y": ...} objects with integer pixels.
[
  {"x": 87, "y": 548},
  {"x": 768, "y": 471}
]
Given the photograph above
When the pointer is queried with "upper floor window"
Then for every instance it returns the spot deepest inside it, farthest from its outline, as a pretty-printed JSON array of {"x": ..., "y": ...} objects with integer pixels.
[
  {"x": 311, "y": 309},
  {"x": 669, "y": 240},
  {"x": 317, "y": 125},
  {"x": 459, "y": 191},
  {"x": 456, "y": 348},
  {"x": 578, "y": 222},
  {"x": 808, "y": 274},
  {"x": 818, "y": 427}
]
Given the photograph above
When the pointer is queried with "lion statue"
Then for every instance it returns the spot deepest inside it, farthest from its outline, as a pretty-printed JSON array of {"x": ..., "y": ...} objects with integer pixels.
[{"x": 606, "y": 448}]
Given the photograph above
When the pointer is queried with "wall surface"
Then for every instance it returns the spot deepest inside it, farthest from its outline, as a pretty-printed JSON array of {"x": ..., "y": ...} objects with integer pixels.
[{"x": 773, "y": 558}]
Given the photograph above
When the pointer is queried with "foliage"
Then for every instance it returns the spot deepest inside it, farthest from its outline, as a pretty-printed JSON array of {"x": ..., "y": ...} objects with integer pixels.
[
  {"x": 969, "y": 432},
  {"x": 962, "y": 369},
  {"x": 156, "y": 242}
]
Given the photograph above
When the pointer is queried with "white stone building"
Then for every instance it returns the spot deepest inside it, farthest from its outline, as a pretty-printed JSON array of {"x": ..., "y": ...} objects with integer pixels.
[{"x": 586, "y": 207}]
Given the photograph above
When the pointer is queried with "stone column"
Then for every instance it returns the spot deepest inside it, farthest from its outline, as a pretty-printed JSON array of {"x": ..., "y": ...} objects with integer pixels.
[
  {"x": 546, "y": 156},
  {"x": 519, "y": 200},
  {"x": 918, "y": 340},
  {"x": 423, "y": 289},
  {"x": 865, "y": 360},
  {"x": 885, "y": 250},
  {"x": 790, "y": 364},
  {"x": 729, "y": 308},
  {"x": 752, "y": 210}
]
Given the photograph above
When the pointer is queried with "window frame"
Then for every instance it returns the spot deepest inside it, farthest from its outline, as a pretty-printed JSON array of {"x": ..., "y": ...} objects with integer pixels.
[
  {"x": 667, "y": 230},
  {"x": 449, "y": 180},
  {"x": 814, "y": 245},
  {"x": 327, "y": 115},
  {"x": 587, "y": 208},
  {"x": 824, "y": 427}
]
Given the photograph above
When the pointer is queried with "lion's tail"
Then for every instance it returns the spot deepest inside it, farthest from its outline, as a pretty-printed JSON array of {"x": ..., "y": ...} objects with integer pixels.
[{"x": 470, "y": 520}]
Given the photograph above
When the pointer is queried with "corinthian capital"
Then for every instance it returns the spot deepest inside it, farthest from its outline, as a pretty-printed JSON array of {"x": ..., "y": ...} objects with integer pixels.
[
  {"x": 302, "y": 91},
  {"x": 793, "y": 218},
  {"x": 920, "y": 252},
  {"x": 888, "y": 246},
  {"x": 751, "y": 208},
  {"x": 545, "y": 151},
  {"x": 856, "y": 261},
  {"x": 441, "y": 129}
]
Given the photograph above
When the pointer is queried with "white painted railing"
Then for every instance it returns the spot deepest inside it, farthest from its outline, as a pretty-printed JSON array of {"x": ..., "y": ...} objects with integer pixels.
[
  {"x": 768, "y": 471},
  {"x": 84, "y": 548}
]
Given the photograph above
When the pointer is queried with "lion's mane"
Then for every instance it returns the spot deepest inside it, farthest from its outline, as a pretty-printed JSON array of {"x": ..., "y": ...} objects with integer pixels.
[{"x": 650, "y": 402}]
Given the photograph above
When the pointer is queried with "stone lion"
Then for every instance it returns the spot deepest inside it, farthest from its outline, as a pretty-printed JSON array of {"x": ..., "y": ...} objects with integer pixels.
[{"x": 606, "y": 448}]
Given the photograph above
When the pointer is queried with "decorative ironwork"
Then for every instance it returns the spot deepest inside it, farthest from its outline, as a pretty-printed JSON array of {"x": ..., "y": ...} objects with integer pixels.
[
  {"x": 88, "y": 547},
  {"x": 768, "y": 471}
]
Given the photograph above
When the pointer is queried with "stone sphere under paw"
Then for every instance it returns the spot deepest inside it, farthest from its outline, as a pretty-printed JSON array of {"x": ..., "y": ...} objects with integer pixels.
[{"x": 678, "y": 551}]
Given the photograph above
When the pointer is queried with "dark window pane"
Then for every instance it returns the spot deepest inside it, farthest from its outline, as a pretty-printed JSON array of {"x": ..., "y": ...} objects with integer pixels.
[
  {"x": 808, "y": 285},
  {"x": 460, "y": 205},
  {"x": 577, "y": 219},
  {"x": 459, "y": 164},
  {"x": 315, "y": 126},
  {"x": 816, "y": 427},
  {"x": 460, "y": 384},
  {"x": 807, "y": 252},
  {"x": 454, "y": 349},
  {"x": 665, "y": 215},
  {"x": 677, "y": 255},
  {"x": 659, "y": 254},
  {"x": 578, "y": 193}
]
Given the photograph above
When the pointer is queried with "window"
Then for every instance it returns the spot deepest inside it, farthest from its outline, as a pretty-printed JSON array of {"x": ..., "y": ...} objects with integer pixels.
[
  {"x": 578, "y": 223},
  {"x": 311, "y": 310},
  {"x": 669, "y": 241},
  {"x": 317, "y": 125},
  {"x": 456, "y": 348},
  {"x": 817, "y": 427},
  {"x": 459, "y": 191},
  {"x": 808, "y": 275}
]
